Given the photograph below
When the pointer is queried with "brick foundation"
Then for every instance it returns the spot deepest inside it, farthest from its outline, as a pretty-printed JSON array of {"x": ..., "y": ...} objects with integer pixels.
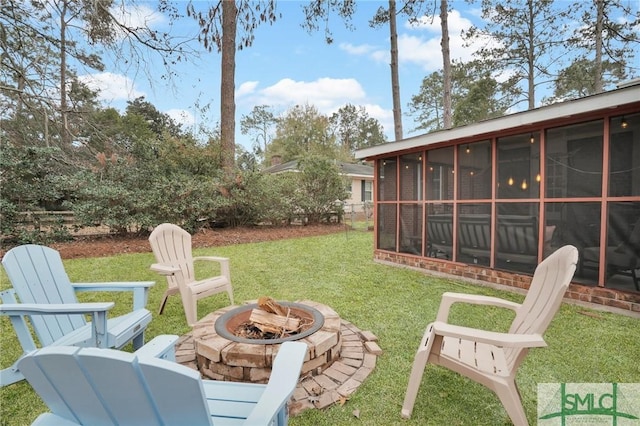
[{"x": 605, "y": 297}]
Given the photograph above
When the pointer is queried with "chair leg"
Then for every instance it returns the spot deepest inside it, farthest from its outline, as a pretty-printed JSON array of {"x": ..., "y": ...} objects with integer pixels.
[
  {"x": 230, "y": 293},
  {"x": 512, "y": 403},
  {"x": 138, "y": 341},
  {"x": 162, "y": 303},
  {"x": 417, "y": 370},
  {"x": 10, "y": 375},
  {"x": 190, "y": 306}
]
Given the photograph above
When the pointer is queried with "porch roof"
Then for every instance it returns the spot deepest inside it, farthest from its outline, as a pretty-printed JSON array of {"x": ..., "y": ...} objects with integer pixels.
[
  {"x": 363, "y": 171},
  {"x": 525, "y": 121}
]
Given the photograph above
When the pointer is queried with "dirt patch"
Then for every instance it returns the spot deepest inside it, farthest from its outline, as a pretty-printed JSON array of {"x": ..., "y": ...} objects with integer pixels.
[{"x": 111, "y": 245}]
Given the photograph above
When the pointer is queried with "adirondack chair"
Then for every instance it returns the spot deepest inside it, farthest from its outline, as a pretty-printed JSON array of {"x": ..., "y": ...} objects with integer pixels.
[
  {"x": 46, "y": 296},
  {"x": 493, "y": 358},
  {"x": 89, "y": 386},
  {"x": 171, "y": 246}
]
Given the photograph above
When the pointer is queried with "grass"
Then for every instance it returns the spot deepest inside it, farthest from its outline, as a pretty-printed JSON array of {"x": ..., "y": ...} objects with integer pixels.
[{"x": 393, "y": 303}]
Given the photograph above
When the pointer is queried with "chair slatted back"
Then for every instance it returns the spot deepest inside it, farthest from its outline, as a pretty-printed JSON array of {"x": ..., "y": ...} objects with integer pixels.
[
  {"x": 548, "y": 286},
  {"x": 518, "y": 235},
  {"x": 92, "y": 386},
  {"x": 38, "y": 276},
  {"x": 475, "y": 232},
  {"x": 440, "y": 230},
  {"x": 172, "y": 245}
]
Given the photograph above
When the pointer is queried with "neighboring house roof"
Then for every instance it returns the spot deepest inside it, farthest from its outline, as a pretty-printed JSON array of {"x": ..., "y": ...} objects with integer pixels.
[
  {"x": 289, "y": 166},
  {"x": 347, "y": 169},
  {"x": 628, "y": 93}
]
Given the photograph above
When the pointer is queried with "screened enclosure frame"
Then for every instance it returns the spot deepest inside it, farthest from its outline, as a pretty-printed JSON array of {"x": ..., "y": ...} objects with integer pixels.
[{"x": 506, "y": 199}]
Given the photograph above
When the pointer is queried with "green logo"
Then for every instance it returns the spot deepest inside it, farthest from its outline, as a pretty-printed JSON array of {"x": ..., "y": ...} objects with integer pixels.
[{"x": 589, "y": 403}]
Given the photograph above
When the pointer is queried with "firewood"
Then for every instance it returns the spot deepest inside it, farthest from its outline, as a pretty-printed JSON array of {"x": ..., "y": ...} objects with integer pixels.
[
  {"x": 268, "y": 304},
  {"x": 273, "y": 323}
]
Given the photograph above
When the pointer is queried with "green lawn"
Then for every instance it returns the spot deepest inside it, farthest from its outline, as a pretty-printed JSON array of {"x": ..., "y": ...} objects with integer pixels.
[{"x": 393, "y": 303}]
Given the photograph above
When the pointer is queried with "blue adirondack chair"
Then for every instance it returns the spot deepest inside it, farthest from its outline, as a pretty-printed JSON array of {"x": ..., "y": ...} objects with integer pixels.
[
  {"x": 91, "y": 386},
  {"x": 47, "y": 297}
]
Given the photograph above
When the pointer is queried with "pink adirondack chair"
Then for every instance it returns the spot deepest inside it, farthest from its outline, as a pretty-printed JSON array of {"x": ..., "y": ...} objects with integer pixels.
[
  {"x": 493, "y": 358},
  {"x": 171, "y": 246}
]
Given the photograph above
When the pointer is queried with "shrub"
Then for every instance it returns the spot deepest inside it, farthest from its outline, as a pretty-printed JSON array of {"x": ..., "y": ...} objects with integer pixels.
[{"x": 321, "y": 189}]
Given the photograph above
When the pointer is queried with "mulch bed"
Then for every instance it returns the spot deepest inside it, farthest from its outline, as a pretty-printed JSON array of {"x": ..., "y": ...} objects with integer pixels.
[{"x": 112, "y": 245}]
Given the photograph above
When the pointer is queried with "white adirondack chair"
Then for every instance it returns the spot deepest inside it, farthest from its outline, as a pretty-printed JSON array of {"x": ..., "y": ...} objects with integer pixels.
[
  {"x": 46, "y": 296},
  {"x": 98, "y": 387},
  {"x": 493, "y": 358},
  {"x": 171, "y": 246}
]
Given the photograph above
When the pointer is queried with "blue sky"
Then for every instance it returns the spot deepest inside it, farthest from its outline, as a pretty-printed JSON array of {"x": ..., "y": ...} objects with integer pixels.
[{"x": 288, "y": 66}]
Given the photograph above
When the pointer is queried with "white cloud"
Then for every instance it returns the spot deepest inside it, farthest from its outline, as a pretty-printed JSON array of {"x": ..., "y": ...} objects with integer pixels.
[
  {"x": 182, "y": 116},
  {"x": 326, "y": 94},
  {"x": 137, "y": 16},
  {"x": 455, "y": 22},
  {"x": 425, "y": 53},
  {"x": 384, "y": 116},
  {"x": 111, "y": 87},
  {"x": 382, "y": 56},
  {"x": 246, "y": 88},
  {"x": 421, "y": 46},
  {"x": 362, "y": 49}
]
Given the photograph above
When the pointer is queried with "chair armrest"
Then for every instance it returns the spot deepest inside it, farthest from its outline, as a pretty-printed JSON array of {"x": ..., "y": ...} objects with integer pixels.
[
  {"x": 162, "y": 347},
  {"x": 98, "y": 312},
  {"x": 225, "y": 270},
  {"x": 282, "y": 382},
  {"x": 54, "y": 308},
  {"x": 112, "y": 286},
  {"x": 211, "y": 258},
  {"x": 164, "y": 269},
  {"x": 140, "y": 289},
  {"x": 50, "y": 419},
  {"x": 448, "y": 299},
  {"x": 489, "y": 337}
]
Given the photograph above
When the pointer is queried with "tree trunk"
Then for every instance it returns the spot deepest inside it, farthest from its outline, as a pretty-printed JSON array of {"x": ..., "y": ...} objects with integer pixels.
[
  {"x": 66, "y": 135},
  {"x": 531, "y": 94},
  {"x": 227, "y": 87},
  {"x": 395, "y": 83},
  {"x": 446, "y": 64},
  {"x": 598, "y": 59}
]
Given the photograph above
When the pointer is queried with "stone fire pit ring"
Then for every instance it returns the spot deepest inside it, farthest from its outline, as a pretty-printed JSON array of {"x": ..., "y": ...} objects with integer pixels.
[
  {"x": 221, "y": 357},
  {"x": 354, "y": 358},
  {"x": 227, "y": 322}
]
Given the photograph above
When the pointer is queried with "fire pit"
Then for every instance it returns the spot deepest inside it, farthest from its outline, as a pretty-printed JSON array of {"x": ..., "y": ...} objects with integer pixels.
[
  {"x": 236, "y": 324},
  {"x": 223, "y": 355},
  {"x": 340, "y": 356}
]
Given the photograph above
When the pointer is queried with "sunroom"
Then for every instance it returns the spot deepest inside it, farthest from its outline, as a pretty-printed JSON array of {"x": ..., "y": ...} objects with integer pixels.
[{"x": 489, "y": 201}]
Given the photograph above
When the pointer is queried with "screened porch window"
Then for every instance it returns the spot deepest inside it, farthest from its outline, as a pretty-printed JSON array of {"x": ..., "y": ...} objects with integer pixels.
[{"x": 481, "y": 202}]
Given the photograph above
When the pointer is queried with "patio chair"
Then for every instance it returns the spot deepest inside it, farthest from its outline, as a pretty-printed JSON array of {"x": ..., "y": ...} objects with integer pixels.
[
  {"x": 91, "y": 386},
  {"x": 492, "y": 358},
  {"x": 46, "y": 296},
  {"x": 623, "y": 259},
  {"x": 171, "y": 246}
]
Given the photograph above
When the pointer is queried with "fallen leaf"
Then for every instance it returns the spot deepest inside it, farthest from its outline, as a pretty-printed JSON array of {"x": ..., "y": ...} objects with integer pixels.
[
  {"x": 343, "y": 400},
  {"x": 589, "y": 314},
  {"x": 356, "y": 413}
]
